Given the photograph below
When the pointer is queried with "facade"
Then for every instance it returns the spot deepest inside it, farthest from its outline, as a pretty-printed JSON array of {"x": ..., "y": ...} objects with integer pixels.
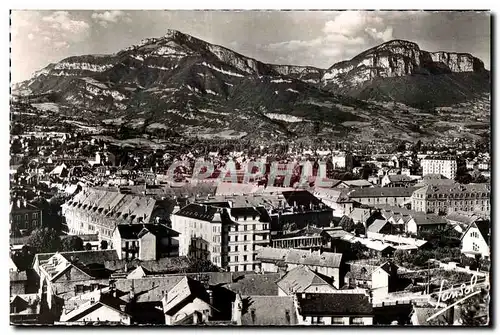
[
  {"x": 397, "y": 180},
  {"x": 374, "y": 196},
  {"x": 99, "y": 211},
  {"x": 229, "y": 237},
  {"x": 324, "y": 263},
  {"x": 310, "y": 238},
  {"x": 476, "y": 239},
  {"x": 145, "y": 242},
  {"x": 24, "y": 218},
  {"x": 446, "y": 167},
  {"x": 25, "y": 308},
  {"x": 334, "y": 309},
  {"x": 336, "y": 199},
  {"x": 303, "y": 280},
  {"x": 342, "y": 160},
  {"x": 446, "y": 199}
]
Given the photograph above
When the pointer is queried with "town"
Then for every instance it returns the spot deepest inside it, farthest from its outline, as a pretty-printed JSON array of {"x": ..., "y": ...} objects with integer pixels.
[{"x": 129, "y": 230}]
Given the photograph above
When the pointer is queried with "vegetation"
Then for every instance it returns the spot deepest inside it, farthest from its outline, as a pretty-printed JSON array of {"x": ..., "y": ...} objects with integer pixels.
[
  {"x": 71, "y": 243},
  {"x": 44, "y": 240}
]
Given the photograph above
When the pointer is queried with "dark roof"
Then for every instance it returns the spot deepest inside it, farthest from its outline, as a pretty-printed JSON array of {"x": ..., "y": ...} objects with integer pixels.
[
  {"x": 399, "y": 178},
  {"x": 484, "y": 229},
  {"x": 377, "y": 226},
  {"x": 268, "y": 311},
  {"x": 85, "y": 257},
  {"x": 335, "y": 304},
  {"x": 135, "y": 231},
  {"x": 382, "y": 192},
  {"x": 301, "y": 198},
  {"x": 255, "y": 284},
  {"x": 299, "y": 279},
  {"x": 197, "y": 211},
  {"x": 245, "y": 211}
]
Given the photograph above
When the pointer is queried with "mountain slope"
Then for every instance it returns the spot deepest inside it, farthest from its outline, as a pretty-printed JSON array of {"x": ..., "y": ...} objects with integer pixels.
[
  {"x": 400, "y": 71},
  {"x": 180, "y": 82}
]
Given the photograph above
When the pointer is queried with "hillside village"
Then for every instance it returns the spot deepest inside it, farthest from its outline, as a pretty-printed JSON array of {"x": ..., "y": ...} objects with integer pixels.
[{"x": 107, "y": 234}]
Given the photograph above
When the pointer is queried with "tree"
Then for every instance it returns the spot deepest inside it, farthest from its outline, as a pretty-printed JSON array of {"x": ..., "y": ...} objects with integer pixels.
[
  {"x": 475, "y": 310},
  {"x": 104, "y": 245},
  {"x": 347, "y": 225},
  {"x": 71, "y": 243},
  {"x": 44, "y": 240},
  {"x": 358, "y": 250}
]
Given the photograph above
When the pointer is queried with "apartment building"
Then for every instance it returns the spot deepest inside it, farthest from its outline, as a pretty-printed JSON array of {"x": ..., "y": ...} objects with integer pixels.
[
  {"x": 445, "y": 199},
  {"x": 444, "y": 166},
  {"x": 227, "y": 236},
  {"x": 99, "y": 211}
]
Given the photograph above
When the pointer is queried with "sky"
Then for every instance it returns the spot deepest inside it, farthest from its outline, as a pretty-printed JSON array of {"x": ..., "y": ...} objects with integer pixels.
[{"x": 316, "y": 38}]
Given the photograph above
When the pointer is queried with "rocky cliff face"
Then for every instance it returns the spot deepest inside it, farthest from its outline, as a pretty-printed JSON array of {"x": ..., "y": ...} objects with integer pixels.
[{"x": 396, "y": 59}]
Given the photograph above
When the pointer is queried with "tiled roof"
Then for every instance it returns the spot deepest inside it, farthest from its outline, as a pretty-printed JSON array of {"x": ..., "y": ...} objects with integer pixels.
[
  {"x": 335, "y": 304},
  {"x": 326, "y": 259},
  {"x": 255, "y": 284},
  {"x": 399, "y": 178},
  {"x": 112, "y": 204},
  {"x": 377, "y": 225},
  {"x": 185, "y": 288},
  {"x": 275, "y": 254},
  {"x": 358, "y": 183},
  {"x": 199, "y": 212},
  {"x": 370, "y": 192},
  {"x": 299, "y": 279},
  {"x": 135, "y": 231},
  {"x": 268, "y": 311}
]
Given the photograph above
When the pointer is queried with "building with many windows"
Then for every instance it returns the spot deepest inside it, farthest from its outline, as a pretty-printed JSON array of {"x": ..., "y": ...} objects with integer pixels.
[
  {"x": 99, "y": 211},
  {"x": 24, "y": 217},
  {"x": 226, "y": 235},
  {"x": 445, "y": 166},
  {"x": 445, "y": 199}
]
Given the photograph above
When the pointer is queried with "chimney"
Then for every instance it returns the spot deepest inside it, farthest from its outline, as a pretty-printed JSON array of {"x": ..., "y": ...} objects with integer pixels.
[
  {"x": 210, "y": 297},
  {"x": 195, "y": 318},
  {"x": 237, "y": 310}
]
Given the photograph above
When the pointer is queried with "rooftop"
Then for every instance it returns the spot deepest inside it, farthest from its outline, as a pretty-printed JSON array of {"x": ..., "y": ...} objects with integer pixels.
[{"x": 334, "y": 304}]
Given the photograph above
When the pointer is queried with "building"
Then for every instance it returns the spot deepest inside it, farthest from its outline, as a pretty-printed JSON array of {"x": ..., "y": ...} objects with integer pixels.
[
  {"x": 326, "y": 264},
  {"x": 255, "y": 310},
  {"x": 25, "y": 308},
  {"x": 303, "y": 280},
  {"x": 425, "y": 222},
  {"x": 228, "y": 236},
  {"x": 96, "y": 307},
  {"x": 309, "y": 238},
  {"x": 188, "y": 302},
  {"x": 342, "y": 160},
  {"x": 445, "y": 199},
  {"x": 374, "y": 196},
  {"x": 476, "y": 239},
  {"x": 18, "y": 282},
  {"x": 67, "y": 274},
  {"x": 336, "y": 199},
  {"x": 358, "y": 183},
  {"x": 334, "y": 309},
  {"x": 397, "y": 180},
  {"x": 445, "y": 166},
  {"x": 99, "y": 211},
  {"x": 145, "y": 241},
  {"x": 24, "y": 217}
]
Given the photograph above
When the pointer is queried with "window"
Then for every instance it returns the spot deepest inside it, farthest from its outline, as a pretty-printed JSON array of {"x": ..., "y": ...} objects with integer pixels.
[
  {"x": 337, "y": 320},
  {"x": 236, "y": 238},
  {"x": 245, "y": 258},
  {"x": 317, "y": 320},
  {"x": 475, "y": 247},
  {"x": 244, "y": 248},
  {"x": 357, "y": 321},
  {"x": 235, "y": 248},
  {"x": 244, "y": 237},
  {"x": 264, "y": 226},
  {"x": 236, "y": 260},
  {"x": 26, "y": 217}
]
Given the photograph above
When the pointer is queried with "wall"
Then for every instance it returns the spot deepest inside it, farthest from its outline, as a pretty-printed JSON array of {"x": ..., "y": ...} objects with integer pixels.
[
  {"x": 104, "y": 313},
  {"x": 147, "y": 247},
  {"x": 380, "y": 284},
  {"x": 328, "y": 320},
  {"x": 468, "y": 241},
  {"x": 196, "y": 305}
]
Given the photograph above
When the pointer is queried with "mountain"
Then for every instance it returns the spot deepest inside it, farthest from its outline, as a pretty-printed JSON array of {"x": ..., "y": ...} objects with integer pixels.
[
  {"x": 400, "y": 71},
  {"x": 180, "y": 82}
]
